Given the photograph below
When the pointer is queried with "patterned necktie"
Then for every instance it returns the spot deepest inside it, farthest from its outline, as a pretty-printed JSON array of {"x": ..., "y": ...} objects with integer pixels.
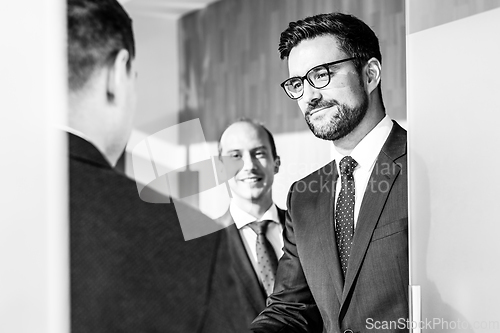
[
  {"x": 344, "y": 214},
  {"x": 266, "y": 257}
]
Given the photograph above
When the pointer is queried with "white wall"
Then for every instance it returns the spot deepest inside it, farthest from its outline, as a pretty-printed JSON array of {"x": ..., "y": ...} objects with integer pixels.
[
  {"x": 453, "y": 116},
  {"x": 33, "y": 204}
]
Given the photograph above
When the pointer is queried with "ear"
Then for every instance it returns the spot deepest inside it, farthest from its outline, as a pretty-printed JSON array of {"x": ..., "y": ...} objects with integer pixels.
[
  {"x": 117, "y": 76},
  {"x": 373, "y": 74},
  {"x": 277, "y": 164}
]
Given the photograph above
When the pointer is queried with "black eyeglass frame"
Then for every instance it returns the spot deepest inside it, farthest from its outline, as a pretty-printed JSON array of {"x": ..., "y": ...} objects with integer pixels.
[{"x": 305, "y": 77}]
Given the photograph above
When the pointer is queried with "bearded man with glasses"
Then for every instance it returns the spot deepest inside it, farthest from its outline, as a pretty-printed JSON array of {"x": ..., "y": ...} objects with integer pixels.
[{"x": 345, "y": 262}]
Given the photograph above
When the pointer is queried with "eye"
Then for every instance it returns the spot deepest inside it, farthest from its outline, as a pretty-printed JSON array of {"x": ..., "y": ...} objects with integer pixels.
[
  {"x": 321, "y": 74},
  {"x": 297, "y": 84},
  {"x": 235, "y": 155},
  {"x": 294, "y": 84},
  {"x": 260, "y": 154}
]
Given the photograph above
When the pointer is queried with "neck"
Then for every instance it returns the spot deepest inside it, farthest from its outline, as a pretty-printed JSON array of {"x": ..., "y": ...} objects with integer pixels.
[
  {"x": 85, "y": 118},
  {"x": 347, "y": 144},
  {"x": 254, "y": 208}
]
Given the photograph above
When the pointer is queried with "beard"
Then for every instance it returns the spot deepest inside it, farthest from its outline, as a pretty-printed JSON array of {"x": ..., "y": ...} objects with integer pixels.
[{"x": 338, "y": 125}]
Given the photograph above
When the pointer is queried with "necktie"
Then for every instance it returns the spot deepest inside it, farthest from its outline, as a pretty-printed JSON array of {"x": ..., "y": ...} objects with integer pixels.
[
  {"x": 267, "y": 261},
  {"x": 344, "y": 214}
]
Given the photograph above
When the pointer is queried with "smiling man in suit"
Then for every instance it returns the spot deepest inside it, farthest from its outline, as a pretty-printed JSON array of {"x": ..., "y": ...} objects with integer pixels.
[
  {"x": 254, "y": 236},
  {"x": 345, "y": 262}
]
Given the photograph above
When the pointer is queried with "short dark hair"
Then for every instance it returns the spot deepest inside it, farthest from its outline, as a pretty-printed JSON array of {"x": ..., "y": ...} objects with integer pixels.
[
  {"x": 256, "y": 124},
  {"x": 97, "y": 31},
  {"x": 355, "y": 38}
]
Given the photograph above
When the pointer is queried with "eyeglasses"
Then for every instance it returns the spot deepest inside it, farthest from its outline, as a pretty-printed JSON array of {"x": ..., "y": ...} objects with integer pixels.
[{"x": 318, "y": 77}]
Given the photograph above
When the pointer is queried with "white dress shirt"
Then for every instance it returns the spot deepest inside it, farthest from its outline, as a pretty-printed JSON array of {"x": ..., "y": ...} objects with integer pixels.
[
  {"x": 365, "y": 153},
  {"x": 274, "y": 231}
]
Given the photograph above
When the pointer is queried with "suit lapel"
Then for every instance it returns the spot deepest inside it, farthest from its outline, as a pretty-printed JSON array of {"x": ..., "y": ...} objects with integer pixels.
[
  {"x": 281, "y": 216},
  {"x": 241, "y": 265},
  {"x": 381, "y": 180},
  {"x": 243, "y": 268},
  {"x": 326, "y": 227}
]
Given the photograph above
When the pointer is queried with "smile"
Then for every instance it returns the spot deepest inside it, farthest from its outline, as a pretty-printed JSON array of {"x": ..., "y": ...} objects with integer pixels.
[
  {"x": 320, "y": 109},
  {"x": 253, "y": 179}
]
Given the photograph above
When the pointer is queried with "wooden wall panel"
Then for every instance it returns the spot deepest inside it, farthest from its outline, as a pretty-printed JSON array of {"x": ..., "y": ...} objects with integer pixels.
[{"x": 230, "y": 65}]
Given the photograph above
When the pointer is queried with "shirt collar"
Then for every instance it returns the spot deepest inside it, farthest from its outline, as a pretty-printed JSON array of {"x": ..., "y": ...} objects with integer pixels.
[
  {"x": 242, "y": 218},
  {"x": 74, "y": 132},
  {"x": 367, "y": 150}
]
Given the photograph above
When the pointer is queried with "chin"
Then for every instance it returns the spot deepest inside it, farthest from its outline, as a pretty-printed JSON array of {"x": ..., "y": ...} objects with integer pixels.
[
  {"x": 254, "y": 196},
  {"x": 244, "y": 194}
]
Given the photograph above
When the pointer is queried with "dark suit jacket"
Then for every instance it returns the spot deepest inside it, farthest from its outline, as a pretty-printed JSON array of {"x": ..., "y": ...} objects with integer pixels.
[
  {"x": 309, "y": 295},
  {"x": 250, "y": 298},
  {"x": 131, "y": 270}
]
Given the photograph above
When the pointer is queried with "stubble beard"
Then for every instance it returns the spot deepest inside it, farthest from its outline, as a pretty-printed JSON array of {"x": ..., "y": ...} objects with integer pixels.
[{"x": 341, "y": 123}]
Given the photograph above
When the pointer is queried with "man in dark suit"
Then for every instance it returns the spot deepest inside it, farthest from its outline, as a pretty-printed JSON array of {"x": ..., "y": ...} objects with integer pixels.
[
  {"x": 345, "y": 262},
  {"x": 131, "y": 270},
  {"x": 252, "y": 145}
]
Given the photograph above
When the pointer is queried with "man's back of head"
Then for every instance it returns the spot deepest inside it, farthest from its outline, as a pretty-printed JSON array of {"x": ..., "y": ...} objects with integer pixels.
[{"x": 101, "y": 74}]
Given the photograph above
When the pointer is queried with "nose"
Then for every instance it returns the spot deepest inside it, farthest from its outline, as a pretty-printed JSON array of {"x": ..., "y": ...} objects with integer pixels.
[
  {"x": 248, "y": 161},
  {"x": 311, "y": 95}
]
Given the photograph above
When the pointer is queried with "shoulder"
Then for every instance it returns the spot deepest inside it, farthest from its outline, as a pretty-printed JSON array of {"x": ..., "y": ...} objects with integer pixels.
[
  {"x": 229, "y": 232},
  {"x": 325, "y": 170},
  {"x": 312, "y": 183},
  {"x": 396, "y": 143},
  {"x": 226, "y": 217},
  {"x": 281, "y": 214},
  {"x": 395, "y": 147}
]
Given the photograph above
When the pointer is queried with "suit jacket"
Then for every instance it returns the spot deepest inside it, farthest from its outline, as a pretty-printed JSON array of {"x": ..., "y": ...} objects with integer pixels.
[
  {"x": 309, "y": 294},
  {"x": 131, "y": 270},
  {"x": 250, "y": 298}
]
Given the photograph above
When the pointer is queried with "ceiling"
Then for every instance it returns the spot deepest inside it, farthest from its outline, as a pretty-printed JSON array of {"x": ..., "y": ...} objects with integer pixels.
[{"x": 167, "y": 8}]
